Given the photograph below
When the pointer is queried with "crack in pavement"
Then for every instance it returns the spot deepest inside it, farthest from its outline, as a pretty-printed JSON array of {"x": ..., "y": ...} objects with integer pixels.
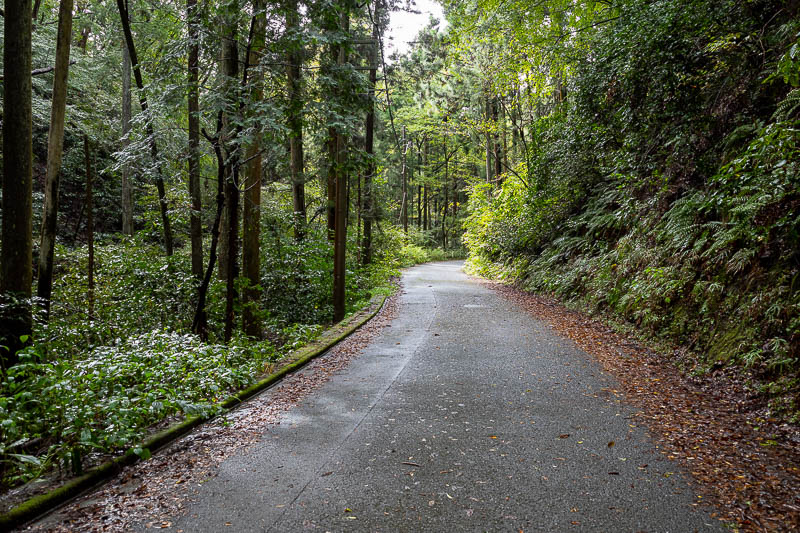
[{"x": 353, "y": 431}]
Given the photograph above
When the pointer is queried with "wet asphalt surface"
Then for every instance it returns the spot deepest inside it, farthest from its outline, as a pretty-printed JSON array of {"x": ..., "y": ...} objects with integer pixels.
[{"x": 465, "y": 415}]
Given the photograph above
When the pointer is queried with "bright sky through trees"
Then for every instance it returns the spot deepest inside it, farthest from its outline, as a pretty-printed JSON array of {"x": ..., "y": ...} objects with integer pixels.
[{"x": 404, "y": 26}]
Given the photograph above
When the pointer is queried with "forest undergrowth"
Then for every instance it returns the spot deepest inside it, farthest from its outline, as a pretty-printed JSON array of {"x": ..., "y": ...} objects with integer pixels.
[
  {"x": 663, "y": 193},
  {"x": 92, "y": 387}
]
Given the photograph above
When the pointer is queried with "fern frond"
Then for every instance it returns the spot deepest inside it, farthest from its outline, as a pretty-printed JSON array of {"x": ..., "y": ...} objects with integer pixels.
[{"x": 788, "y": 107}]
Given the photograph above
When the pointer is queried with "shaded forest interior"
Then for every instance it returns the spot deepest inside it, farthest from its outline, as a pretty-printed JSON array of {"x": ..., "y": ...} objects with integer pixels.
[{"x": 192, "y": 190}]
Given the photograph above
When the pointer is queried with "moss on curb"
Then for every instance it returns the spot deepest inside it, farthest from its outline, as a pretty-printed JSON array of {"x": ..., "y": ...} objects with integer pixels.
[{"x": 43, "y": 503}]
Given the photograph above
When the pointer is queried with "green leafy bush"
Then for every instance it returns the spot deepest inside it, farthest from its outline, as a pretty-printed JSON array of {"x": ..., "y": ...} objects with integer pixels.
[
  {"x": 665, "y": 189},
  {"x": 106, "y": 400}
]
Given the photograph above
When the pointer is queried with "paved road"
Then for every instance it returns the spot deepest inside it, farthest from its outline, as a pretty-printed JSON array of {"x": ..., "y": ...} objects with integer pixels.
[{"x": 464, "y": 415}]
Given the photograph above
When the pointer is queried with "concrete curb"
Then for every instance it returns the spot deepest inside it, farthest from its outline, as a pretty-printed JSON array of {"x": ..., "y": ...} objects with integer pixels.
[{"x": 39, "y": 505}]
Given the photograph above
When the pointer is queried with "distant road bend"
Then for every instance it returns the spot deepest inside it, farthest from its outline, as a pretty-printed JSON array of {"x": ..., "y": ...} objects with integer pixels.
[{"x": 465, "y": 415}]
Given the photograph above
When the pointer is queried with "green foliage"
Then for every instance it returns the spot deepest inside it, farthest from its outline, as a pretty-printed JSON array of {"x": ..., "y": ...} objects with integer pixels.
[
  {"x": 664, "y": 190},
  {"x": 106, "y": 399},
  {"x": 137, "y": 289}
]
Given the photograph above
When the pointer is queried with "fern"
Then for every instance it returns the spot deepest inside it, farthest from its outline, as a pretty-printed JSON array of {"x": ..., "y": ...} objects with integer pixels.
[
  {"x": 788, "y": 106},
  {"x": 740, "y": 261}
]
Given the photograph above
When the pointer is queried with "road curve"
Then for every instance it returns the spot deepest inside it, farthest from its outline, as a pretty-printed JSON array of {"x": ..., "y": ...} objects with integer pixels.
[{"x": 465, "y": 415}]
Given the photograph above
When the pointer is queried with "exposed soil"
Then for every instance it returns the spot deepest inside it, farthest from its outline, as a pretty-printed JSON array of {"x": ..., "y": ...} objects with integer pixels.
[
  {"x": 746, "y": 464},
  {"x": 148, "y": 494}
]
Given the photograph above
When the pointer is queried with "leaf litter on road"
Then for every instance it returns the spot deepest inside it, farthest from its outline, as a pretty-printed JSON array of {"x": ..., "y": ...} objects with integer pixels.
[{"x": 743, "y": 461}]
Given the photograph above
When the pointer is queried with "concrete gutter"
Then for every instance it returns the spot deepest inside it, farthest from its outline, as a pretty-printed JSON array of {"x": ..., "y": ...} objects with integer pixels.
[{"x": 39, "y": 505}]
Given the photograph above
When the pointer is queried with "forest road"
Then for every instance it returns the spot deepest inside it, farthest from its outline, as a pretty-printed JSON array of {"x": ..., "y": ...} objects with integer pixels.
[{"x": 465, "y": 415}]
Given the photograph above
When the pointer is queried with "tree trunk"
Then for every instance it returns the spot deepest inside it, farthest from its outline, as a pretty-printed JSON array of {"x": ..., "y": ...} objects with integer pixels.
[
  {"x": 411, "y": 193},
  {"x": 222, "y": 270},
  {"x": 55, "y": 144},
  {"x": 251, "y": 219},
  {"x": 331, "y": 185},
  {"x": 369, "y": 140},
  {"x": 359, "y": 203},
  {"x": 340, "y": 241},
  {"x": 446, "y": 176},
  {"x": 294, "y": 80},
  {"x": 516, "y": 120},
  {"x": 404, "y": 204},
  {"x": 16, "y": 257},
  {"x": 195, "y": 224},
  {"x": 488, "y": 140},
  {"x": 426, "y": 208},
  {"x": 137, "y": 74},
  {"x": 230, "y": 69},
  {"x": 503, "y": 121},
  {"x": 435, "y": 209},
  {"x": 200, "y": 322},
  {"x": 498, "y": 156},
  {"x": 89, "y": 226},
  {"x": 419, "y": 206},
  {"x": 127, "y": 189},
  {"x": 330, "y": 24}
]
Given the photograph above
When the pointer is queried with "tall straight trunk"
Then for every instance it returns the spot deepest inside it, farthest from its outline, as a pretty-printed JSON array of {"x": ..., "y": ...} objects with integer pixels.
[
  {"x": 251, "y": 218},
  {"x": 137, "y": 75},
  {"x": 489, "y": 166},
  {"x": 426, "y": 208},
  {"x": 515, "y": 124},
  {"x": 411, "y": 194},
  {"x": 419, "y": 206},
  {"x": 404, "y": 204},
  {"x": 369, "y": 140},
  {"x": 295, "y": 117},
  {"x": 446, "y": 176},
  {"x": 498, "y": 156},
  {"x": 195, "y": 224},
  {"x": 444, "y": 218},
  {"x": 331, "y": 24},
  {"x": 222, "y": 259},
  {"x": 340, "y": 240},
  {"x": 55, "y": 144},
  {"x": 230, "y": 69},
  {"x": 523, "y": 149},
  {"x": 127, "y": 189},
  {"x": 330, "y": 146},
  {"x": 503, "y": 121},
  {"x": 456, "y": 191},
  {"x": 16, "y": 253},
  {"x": 435, "y": 213},
  {"x": 358, "y": 217},
  {"x": 89, "y": 225}
]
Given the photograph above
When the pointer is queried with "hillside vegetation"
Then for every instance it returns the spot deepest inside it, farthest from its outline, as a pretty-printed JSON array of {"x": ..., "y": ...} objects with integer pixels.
[{"x": 663, "y": 188}]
